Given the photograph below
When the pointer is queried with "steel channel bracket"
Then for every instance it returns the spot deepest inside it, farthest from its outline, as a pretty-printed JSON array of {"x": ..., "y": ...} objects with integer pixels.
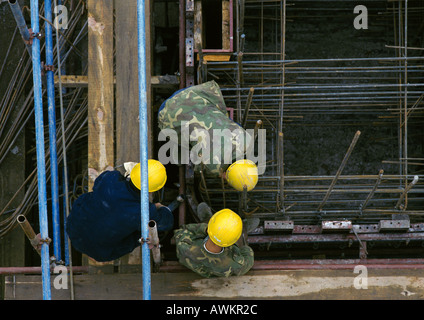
[
  {"x": 336, "y": 226},
  {"x": 189, "y": 52},
  {"x": 393, "y": 225},
  {"x": 189, "y": 6},
  {"x": 189, "y": 43},
  {"x": 284, "y": 226}
]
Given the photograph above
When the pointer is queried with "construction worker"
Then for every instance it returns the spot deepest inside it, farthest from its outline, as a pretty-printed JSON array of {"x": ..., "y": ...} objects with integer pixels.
[
  {"x": 105, "y": 224},
  {"x": 217, "y": 248},
  {"x": 202, "y": 107}
]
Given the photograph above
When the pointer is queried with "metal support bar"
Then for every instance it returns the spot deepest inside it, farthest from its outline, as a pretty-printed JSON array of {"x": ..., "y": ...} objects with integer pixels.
[
  {"x": 334, "y": 237},
  {"x": 239, "y": 83},
  {"x": 246, "y": 109},
  {"x": 67, "y": 249},
  {"x": 41, "y": 166},
  {"x": 257, "y": 125},
  {"x": 202, "y": 176},
  {"x": 223, "y": 187},
  {"x": 182, "y": 80},
  {"x": 336, "y": 226},
  {"x": 29, "y": 232},
  {"x": 282, "y": 226},
  {"x": 20, "y": 21},
  {"x": 251, "y": 147},
  {"x": 281, "y": 168},
  {"x": 52, "y": 132},
  {"x": 144, "y": 194},
  {"x": 34, "y": 270},
  {"x": 394, "y": 225},
  {"x": 363, "y": 253},
  {"x": 399, "y": 204},
  {"x": 339, "y": 171},
  {"x": 154, "y": 244},
  {"x": 371, "y": 194},
  {"x": 243, "y": 202},
  {"x": 189, "y": 43}
]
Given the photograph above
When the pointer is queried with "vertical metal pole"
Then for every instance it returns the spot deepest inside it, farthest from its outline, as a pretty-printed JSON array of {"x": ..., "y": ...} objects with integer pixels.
[
  {"x": 405, "y": 102},
  {"x": 181, "y": 45},
  {"x": 62, "y": 45},
  {"x": 142, "y": 94},
  {"x": 280, "y": 124},
  {"x": 400, "y": 131},
  {"x": 52, "y": 131},
  {"x": 68, "y": 251},
  {"x": 182, "y": 70},
  {"x": 281, "y": 169},
  {"x": 41, "y": 166},
  {"x": 65, "y": 216}
]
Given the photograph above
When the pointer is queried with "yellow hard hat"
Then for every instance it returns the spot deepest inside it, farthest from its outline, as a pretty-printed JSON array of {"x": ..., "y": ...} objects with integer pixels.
[
  {"x": 242, "y": 173},
  {"x": 225, "y": 228},
  {"x": 156, "y": 174}
]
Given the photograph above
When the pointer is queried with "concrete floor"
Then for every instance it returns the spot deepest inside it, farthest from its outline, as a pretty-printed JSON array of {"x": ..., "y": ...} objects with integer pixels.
[{"x": 353, "y": 284}]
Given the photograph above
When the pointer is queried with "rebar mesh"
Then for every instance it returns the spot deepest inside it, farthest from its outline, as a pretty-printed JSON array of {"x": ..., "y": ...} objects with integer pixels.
[{"x": 321, "y": 82}]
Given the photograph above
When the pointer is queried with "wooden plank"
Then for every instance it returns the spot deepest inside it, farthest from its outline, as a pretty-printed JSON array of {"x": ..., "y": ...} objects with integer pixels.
[
  {"x": 127, "y": 102},
  {"x": 100, "y": 86},
  {"x": 165, "y": 81},
  {"x": 156, "y": 81},
  {"x": 100, "y": 93},
  {"x": 149, "y": 67},
  {"x": 72, "y": 81},
  {"x": 226, "y": 24},
  {"x": 198, "y": 26},
  {"x": 127, "y": 125},
  {"x": 215, "y": 57}
]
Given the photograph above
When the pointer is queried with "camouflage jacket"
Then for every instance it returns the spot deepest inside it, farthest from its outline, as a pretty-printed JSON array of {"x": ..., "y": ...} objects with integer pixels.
[
  {"x": 203, "y": 107},
  {"x": 233, "y": 261}
]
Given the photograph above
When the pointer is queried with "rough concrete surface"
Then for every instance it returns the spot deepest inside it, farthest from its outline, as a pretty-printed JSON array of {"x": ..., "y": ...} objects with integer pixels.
[{"x": 258, "y": 285}]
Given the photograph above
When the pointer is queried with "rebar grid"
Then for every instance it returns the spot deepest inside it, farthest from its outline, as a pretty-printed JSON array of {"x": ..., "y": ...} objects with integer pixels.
[{"x": 327, "y": 98}]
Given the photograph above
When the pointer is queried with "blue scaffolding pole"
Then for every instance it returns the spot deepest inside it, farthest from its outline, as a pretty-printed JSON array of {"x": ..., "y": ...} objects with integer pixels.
[
  {"x": 41, "y": 167},
  {"x": 143, "y": 149},
  {"x": 52, "y": 131}
]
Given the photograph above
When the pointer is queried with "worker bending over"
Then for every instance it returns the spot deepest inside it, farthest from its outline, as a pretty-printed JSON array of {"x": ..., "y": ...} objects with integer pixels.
[
  {"x": 197, "y": 112},
  {"x": 105, "y": 224},
  {"x": 217, "y": 248}
]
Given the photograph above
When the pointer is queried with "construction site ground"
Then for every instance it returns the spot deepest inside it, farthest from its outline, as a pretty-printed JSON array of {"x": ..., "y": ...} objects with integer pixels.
[{"x": 324, "y": 284}]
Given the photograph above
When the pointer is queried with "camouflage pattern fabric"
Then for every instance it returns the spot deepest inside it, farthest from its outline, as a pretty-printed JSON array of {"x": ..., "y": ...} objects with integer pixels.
[
  {"x": 203, "y": 107},
  {"x": 233, "y": 261}
]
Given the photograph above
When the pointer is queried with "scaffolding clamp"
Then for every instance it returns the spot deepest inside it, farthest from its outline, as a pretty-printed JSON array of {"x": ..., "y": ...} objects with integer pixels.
[
  {"x": 46, "y": 67},
  {"x": 143, "y": 241},
  {"x": 32, "y": 35},
  {"x": 46, "y": 240}
]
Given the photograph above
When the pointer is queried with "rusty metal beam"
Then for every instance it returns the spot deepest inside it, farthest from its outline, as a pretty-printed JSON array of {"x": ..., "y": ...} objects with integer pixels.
[{"x": 311, "y": 238}]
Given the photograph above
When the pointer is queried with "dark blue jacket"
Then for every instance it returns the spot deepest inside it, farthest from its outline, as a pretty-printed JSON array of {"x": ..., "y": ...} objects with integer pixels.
[{"x": 105, "y": 224}]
